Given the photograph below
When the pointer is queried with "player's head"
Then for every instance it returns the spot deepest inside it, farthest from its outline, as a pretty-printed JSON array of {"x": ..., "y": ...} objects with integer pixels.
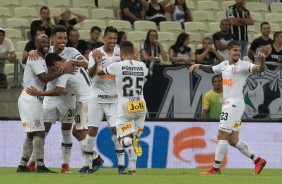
[
  {"x": 110, "y": 37},
  {"x": 224, "y": 25},
  {"x": 234, "y": 51},
  {"x": 42, "y": 44},
  {"x": 217, "y": 82},
  {"x": 126, "y": 50},
  {"x": 265, "y": 28},
  {"x": 53, "y": 61},
  {"x": 277, "y": 37},
  {"x": 59, "y": 37}
]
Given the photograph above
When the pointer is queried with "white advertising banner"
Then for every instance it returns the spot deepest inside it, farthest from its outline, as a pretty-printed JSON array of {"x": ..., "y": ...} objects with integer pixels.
[{"x": 165, "y": 145}]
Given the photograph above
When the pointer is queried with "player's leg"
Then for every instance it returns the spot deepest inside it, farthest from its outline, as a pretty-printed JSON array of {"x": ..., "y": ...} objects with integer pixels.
[{"x": 111, "y": 116}]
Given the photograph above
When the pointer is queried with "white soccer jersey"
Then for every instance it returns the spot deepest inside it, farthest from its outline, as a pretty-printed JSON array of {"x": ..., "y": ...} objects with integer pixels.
[
  {"x": 30, "y": 78},
  {"x": 79, "y": 82},
  {"x": 130, "y": 81},
  {"x": 234, "y": 78},
  {"x": 104, "y": 87}
]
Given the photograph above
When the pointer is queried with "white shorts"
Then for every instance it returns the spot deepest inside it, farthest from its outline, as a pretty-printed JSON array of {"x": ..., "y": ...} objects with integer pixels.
[
  {"x": 130, "y": 124},
  {"x": 62, "y": 108},
  {"x": 96, "y": 112},
  {"x": 31, "y": 113},
  {"x": 81, "y": 117},
  {"x": 230, "y": 117}
]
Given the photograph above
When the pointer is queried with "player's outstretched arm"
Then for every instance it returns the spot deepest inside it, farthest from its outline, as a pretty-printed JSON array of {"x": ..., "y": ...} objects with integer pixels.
[
  {"x": 260, "y": 67},
  {"x": 205, "y": 68},
  {"x": 54, "y": 92}
]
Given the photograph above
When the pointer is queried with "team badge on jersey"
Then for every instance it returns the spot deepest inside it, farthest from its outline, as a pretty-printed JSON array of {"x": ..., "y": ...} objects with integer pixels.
[{"x": 134, "y": 107}]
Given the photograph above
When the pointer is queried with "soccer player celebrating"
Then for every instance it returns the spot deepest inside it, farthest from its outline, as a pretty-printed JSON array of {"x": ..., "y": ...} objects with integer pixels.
[
  {"x": 131, "y": 112},
  {"x": 234, "y": 73},
  {"x": 31, "y": 109}
]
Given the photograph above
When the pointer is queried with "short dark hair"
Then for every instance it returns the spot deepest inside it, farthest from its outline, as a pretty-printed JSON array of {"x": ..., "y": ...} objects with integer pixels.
[
  {"x": 216, "y": 76},
  {"x": 120, "y": 34},
  {"x": 43, "y": 8},
  {"x": 58, "y": 29},
  {"x": 227, "y": 20},
  {"x": 110, "y": 29},
  {"x": 233, "y": 43},
  {"x": 51, "y": 58},
  {"x": 127, "y": 47},
  {"x": 73, "y": 30},
  {"x": 95, "y": 28},
  {"x": 276, "y": 34},
  {"x": 264, "y": 23}
]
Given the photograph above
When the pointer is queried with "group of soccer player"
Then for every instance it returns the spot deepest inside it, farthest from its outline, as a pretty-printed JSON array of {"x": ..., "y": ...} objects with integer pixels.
[{"x": 79, "y": 93}]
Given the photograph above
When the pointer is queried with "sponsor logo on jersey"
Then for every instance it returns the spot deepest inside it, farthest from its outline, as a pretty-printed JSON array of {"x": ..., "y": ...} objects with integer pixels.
[
  {"x": 107, "y": 76},
  {"x": 107, "y": 96},
  {"x": 126, "y": 127},
  {"x": 134, "y": 107},
  {"x": 227, "y": 82}
]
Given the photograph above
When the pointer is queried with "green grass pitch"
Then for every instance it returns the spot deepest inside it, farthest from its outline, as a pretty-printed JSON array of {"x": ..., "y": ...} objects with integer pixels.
[{"x": 144, "y": 176}]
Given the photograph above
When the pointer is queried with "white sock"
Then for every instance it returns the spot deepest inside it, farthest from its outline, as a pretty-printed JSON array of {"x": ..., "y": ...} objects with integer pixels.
[
  {"x": 126, "y": 142},
  {"x": 119, "y": 151},
  {"x": 88, "y": 147},
  {"x": 66, "y": 146},
  {"x": 246, "y": 150},
  {"x": 132, "y": 159},
  {"x": 221, "y": 150}
]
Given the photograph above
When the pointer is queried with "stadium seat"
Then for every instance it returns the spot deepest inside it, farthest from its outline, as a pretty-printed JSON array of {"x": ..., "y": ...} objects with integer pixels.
[
  {"x": 195, "y": 39},
  {"x": 226, "y": 4},
  {"x": 18, "y": 23},
  {"x": 19, "y": 55},
  {"x": 203, "y": 16},
  {"x": 144, "y": 25},
  {"x": 81, "y": 11},
  {"x": 196, "y": 27},
  {"x": 166, "y": 48},
  {"x": 110, "y": 4},
  {"x": 170, "y": 26},
  {"x": 27, "y": 35},
  {"x": 26, "y": 13},
  {"x": 257, "y": 7},
  {"x": 37, "y": 4},
  {"x": 258, "y": 19},
  {"x": 167, "y": 38},
  {"x": 252, "y": 30},
  {"x": 21, "y": 46},
  {"x": 121, "y": 25},
  {"x": 11, "y": 4},
  {"x": 103, "y": 14},
  {"x": 211, "y": 6},
  {"x": 54, "y": 11},
  {"x": 276, "y": 7},
  {"x": 136, "y": 36},
  {"x": 15, "y": 35},
  {"x": 192, "y": 47},
  {"x": 220, "y": 15},
  {"x": 2, "y": 23},
  {"x": 85, "y": 4},
  {"x": 208, "y": 35},
  {"x": 58, "y": 3},
  {"x": 4, "y": 14},
  {"x": 84, "y": 34},
  {"x": 274, "y": 27},
  {"x": 214, "y": 27},
  {"x": 191, "y": 5},
  {"x": 274, "y": 18},
  {"x": 88, "y": 24}
]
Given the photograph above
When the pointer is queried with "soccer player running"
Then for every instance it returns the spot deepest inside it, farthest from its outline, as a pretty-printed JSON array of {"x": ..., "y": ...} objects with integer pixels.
[
  {"x": 234, "y": 73},
  {"x": 103, "y": 101},
  {"x": 31, "y": 108},
  {"x": 131, "y": 111}
]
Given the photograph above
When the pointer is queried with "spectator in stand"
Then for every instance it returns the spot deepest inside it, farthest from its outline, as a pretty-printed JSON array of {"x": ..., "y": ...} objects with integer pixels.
[
  {"x": 131, "y": 10},
  {"x": 240, "y": 18},
  {"x": 179, "y": 12},
  {"x": 152, "y": 50},
  {"x": 222, "y": 38},
  {"x": 180, "y": 53},
  {"x": 7, "y": 51},
  {"x": 212, "y": 101},
  {"x": 93, "y": 43},
  {"x": 31, "y": 44},
  {"x": 75, "y": 42},
  {"x": 121, "y": 37},
  {"x": 207, "y": 55},
  {"x": 155, "y": 10},
  {"x": 64, "y": 18},
  {"x": 261, "y": 41},
  {"x": 44, "y": 22}
]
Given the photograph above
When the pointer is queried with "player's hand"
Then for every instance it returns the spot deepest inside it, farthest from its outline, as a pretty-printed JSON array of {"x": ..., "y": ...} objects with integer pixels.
[
  {"x": 97, "y": 56},
  {"x": 33, "y": 55},
  {"x": 260, "y": 56},
  {"x": 32, "y": 91},
  {"x": 194, "y": 67}
]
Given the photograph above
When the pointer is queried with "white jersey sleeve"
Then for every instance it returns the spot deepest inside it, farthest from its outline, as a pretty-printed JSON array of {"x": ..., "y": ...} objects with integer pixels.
[
  {"x": 249, "y": 67},
  {"x": 38, "y": 66},
  {"x": 113, "y": 69},
  {"x": 91, "y": 60},
  {"x": 62, "y": 80},
  {"x": 217, "y": 69}
]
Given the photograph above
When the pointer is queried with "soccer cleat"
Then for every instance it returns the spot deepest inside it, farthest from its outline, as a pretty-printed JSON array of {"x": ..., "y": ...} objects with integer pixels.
[
  {"x": 136, "y": 146},
  {"x": 121, "y": 169},
  {"x": 212, "y": 171},
  {"x": 31, "y": 166},
  {"x": 96, "y": 163},
  {"x": 259, "y": 165},
  {"x": 65, "y": 169},
  {"x": 23, "y": 168},
  {"x": 133, "y": 172},
  {"x": 43, "y": 169},
  {"x": 85, "y": 170}
]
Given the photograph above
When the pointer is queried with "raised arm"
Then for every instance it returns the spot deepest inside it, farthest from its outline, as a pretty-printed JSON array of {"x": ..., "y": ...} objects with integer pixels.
[
  {"x": 205, "y": 68},
  {"x": 260, "y": 67}
]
